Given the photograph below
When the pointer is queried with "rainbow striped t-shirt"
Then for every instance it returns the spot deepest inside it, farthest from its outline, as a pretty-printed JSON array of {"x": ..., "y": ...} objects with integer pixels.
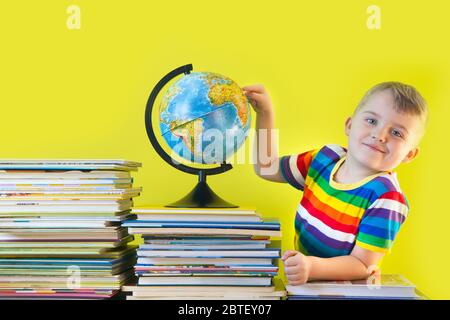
[{"x": 332, "y": 217}]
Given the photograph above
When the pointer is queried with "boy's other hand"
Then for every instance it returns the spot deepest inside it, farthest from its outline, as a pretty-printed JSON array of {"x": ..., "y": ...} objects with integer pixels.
[
  {"x": 259, "y": 98},
  {"x": 297, "y": 267}
]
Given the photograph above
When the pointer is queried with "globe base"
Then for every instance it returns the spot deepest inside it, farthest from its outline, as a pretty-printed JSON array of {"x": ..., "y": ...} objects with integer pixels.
[{"x": 202, "y": 196}]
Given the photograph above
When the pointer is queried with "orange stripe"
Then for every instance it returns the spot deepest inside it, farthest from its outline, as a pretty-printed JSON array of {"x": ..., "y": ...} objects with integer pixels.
[
  {"x": 304, "y": 161},
  {"x": 329, "y": 211}
]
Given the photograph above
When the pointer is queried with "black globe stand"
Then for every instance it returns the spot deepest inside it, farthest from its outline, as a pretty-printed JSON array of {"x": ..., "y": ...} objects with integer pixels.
[{"x": 202, "y": 196}]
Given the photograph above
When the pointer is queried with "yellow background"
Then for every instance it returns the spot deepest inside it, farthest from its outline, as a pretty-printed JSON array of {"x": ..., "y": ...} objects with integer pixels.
[{"x": 82, "y": 93}]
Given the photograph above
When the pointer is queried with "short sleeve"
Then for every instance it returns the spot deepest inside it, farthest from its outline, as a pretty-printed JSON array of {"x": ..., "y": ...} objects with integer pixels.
[
  {"x": 294, "y": 168},
  {"x": 381, "y": 222}
]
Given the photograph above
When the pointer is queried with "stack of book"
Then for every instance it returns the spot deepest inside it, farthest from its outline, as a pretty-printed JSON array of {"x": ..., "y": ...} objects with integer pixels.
[
  {"x": 384, "y": 286},
  {"x": 61, "y": 233},
  {"x": 205, "y": 254}
]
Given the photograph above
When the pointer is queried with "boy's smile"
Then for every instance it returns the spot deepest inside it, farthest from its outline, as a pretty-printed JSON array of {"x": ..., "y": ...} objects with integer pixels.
[{"x": 380, "y": 137}]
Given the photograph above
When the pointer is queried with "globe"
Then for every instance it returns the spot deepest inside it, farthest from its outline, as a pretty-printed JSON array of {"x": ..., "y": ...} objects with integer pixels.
[{"x": 204, "y": 117}]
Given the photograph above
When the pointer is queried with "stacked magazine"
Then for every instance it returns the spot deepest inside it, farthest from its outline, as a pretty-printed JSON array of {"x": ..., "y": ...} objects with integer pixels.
[
  {"x": 204, "y": 253},
  {"x": 61, "y": 233}
]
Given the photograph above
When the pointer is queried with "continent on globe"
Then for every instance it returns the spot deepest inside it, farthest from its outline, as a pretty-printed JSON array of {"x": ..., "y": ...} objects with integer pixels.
[
  {"x": 222, "y": 93},
  {"x": 187, "y": 132},
  {"x": 201, "y": 110}
]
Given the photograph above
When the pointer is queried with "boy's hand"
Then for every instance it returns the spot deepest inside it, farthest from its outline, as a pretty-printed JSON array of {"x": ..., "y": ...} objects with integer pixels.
[
  {"x": 297, "y": 267},
  {"x": 258, "y": 98}
]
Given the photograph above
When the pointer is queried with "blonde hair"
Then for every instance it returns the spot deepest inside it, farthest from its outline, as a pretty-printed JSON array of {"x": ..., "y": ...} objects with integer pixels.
[{"x": 406, "y": 98}]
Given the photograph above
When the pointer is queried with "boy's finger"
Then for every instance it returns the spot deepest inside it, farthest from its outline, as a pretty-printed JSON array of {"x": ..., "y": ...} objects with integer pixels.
[
  {"x": 259, "y": 88},
  {"x": 290, "y": 270},
  {"x": 253, "y": 97},
  {"x": 253, "y": 94},
  {"x": 290, "y": 262},
  {"x": 293, "y": 278},
  {"x": 288, "y": 253},
  {"x": 251, "y": 87}
]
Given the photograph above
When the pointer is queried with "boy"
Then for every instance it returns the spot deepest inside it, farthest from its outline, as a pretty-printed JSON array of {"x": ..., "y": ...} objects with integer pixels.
[{"x": 352, "y": 205}]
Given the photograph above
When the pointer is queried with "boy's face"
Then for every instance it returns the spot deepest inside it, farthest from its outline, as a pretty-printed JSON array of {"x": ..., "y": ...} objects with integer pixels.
[{"x": 379, "y": 137}]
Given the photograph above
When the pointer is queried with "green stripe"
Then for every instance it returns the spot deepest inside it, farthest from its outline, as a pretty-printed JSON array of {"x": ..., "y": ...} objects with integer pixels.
[
  {"x": 298, "y": 245},
  {"x": 374, "y": 241},
  {"x": 352, "y": 199}
]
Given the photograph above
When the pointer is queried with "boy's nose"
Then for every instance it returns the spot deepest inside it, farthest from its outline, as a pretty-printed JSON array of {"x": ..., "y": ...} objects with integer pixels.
[{"x": 379, "y": 135}]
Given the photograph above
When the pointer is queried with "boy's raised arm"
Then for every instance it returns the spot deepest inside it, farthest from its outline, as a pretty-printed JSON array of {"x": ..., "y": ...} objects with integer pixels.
[{"x": 265, "y": 146}]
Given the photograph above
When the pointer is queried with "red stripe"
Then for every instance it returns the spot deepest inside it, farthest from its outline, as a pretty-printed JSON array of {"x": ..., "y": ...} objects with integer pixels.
[
  {"x": 327, "y": 219},
  {"x": 331, "y": 212},
  {"x": 394, "y": 195},
  {"x": 303, "y": 162}
]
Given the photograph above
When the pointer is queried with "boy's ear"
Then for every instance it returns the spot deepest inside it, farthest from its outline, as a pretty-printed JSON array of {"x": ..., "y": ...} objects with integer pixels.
[
  {"x": 411, "y": 155},
  {"x": 348, "y": 125}
]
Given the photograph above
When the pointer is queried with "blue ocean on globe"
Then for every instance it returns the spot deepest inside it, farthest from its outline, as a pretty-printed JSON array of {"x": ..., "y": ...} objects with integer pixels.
[{"x": 204, "y": 117}]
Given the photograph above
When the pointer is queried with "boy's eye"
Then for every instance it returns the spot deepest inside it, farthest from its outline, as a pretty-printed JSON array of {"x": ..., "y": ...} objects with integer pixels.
[
  {"x": 371, "y": 121},
  {"x": 397, "y": 133}
]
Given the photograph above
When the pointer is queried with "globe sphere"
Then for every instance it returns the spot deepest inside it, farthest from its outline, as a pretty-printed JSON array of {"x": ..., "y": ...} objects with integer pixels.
[{"x": 204, "y": 117}]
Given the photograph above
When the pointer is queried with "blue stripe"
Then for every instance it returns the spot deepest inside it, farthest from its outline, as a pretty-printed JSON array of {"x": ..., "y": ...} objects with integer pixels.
[
  {"x": 333, "y": 155},
  {"x": 316, "y": 248},
  {"x": 321, "y": 163},
  {"x": 385, "y": 214},
  {"x": 388, "y": 234},
  {"x": 287, "y": 174},
  {"x": 381, "y": 222},
  {"x": 321, "y": 237}
]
